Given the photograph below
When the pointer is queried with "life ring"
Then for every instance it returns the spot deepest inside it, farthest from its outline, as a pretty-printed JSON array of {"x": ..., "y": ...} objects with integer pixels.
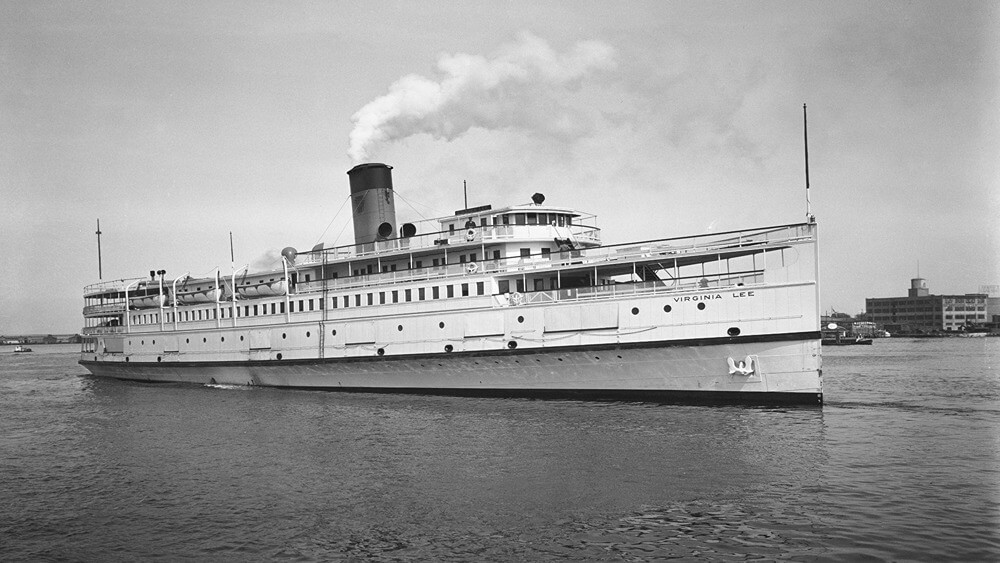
[
  {"x": 471, "y": 235},
  {"x": 515, "y": 298},
  {"x": 472, "y": 267}
]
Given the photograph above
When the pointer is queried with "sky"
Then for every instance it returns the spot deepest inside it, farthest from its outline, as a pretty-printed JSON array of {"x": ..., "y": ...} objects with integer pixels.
[{"x": 176, "y": 123}]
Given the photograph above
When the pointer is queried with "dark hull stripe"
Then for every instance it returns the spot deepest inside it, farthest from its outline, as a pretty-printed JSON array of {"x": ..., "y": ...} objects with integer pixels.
[{"x": 783, "y": 337}]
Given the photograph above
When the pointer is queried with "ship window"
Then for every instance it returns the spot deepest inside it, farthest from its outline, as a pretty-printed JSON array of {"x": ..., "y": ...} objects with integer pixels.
[
  {"x": 569, "y": 220},
  {"x": 496, "y": 254},
  {"x": 273, "y": 307},
  {"x": 347, "y": 301},
  {"x": 451, "y": 229},
  {"x": 371, "y": 298},
  {"x": 281, "y": 307},
  {"x": 539, "y": 284},
  {"x": 308, "y": 278},
  {"x": 451, "y": 290},
  {"x": 357, "y": 300},
  {"x": 465, "y": 290},
  {"x": 506, "y": 219},
  {"x": 246, "y": 310},
  {"x": 368, "y": 268},
  {"x": 520, "y": 285},
  {"x": 503, "y": 286},
  {"x": 409, "y": 295},
  {"x": 321, "y": 302},
  {"x": 472, "y": 257},
  {"x": 436, "y": 262},
  {"x": 381, "y": 298},
  {"x": 392, "y": 267},
  {"x": 480, "y": 288},
  {"x": 420, "y": 264},
  {"x": 525, "y": 253},
  {"x": 420, "y": 293},
  {"x": 532, "y": 219},
  {"x": 519, "y": 218},
  {"x": 254, "y": 312},
  {"x": 546, "y": 252},
  {"x": 291, "y": 306},
  {"x": 435, "y": 292},
  {"x": 301, "y": 307},
  {"x": 333, "y": 303},
  {"x": 561, "y": 220},
  {"x": 395, "y": 296},
  {"x": 461, "y": 259}
]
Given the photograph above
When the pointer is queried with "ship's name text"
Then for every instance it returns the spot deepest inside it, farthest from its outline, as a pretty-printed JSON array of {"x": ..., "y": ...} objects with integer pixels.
[{"x": 710, "y": 296}]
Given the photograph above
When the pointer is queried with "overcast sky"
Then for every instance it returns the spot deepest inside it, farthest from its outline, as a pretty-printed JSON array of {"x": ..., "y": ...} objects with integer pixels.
[{"x": 178, "y": 122}]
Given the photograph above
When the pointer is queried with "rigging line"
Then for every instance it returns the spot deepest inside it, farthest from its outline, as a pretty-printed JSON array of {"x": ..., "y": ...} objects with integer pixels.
[
  {"x": 320, "y": 239},
  {"x": 354, "y": 212},
  {"x": 407, "y": 202}
]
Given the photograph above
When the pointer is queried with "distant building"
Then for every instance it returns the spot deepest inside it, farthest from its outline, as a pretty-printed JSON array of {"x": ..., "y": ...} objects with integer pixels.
[{"x": 922, "y": 312}]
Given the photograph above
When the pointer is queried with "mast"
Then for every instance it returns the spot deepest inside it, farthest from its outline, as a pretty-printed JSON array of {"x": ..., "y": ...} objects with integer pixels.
[
  {"x": 805, "y": 139},
  {"x": 100, "y": 272}
]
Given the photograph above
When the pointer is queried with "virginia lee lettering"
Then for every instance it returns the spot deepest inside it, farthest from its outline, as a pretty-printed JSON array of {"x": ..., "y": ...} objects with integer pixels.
[{"x": 710, "y": 296}]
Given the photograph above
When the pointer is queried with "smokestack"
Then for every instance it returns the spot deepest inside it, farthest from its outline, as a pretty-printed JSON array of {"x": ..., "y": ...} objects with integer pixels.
[{"x": 371, "y": 200}]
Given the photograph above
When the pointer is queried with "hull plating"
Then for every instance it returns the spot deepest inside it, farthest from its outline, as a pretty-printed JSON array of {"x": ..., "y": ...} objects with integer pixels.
[{"x": 785, "y": 370}]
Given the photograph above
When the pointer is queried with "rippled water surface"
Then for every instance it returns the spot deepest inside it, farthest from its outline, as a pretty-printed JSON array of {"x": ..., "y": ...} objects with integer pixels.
[{"x": 903, "y": 462}]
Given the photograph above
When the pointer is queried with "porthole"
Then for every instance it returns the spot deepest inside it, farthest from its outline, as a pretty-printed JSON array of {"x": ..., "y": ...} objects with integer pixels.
[
  {"x": 635, "y": 310},
  {"x": 279, "y": 355},
  {"x": 142, "y": 342},
  {"x": 241, "y": 338},
  {"x": 187, "y": 340},
  {"x": 126, "y": 358},
  {"x": 308, "y": 334},
  {"x": 448, "y": 347},
  {"x": 520, "y": 319},
  {"x": 154, "y": 342},
  {"x": 333, "y": 332},
  {"x": 701, "y": 306},
  {"x": 159, "y": 358},
  {"x": 512, "y": 344},
  {"x": 223, "y": 339},
  {"x": 204, "y": 340},
  {"x": 733, "y": 331},
  {"x": 129, "y": 342},
  {"x": 440, "y": 325},
  {"x": 381, "y": 351},
  {"x": 666, "y": 308},
  {"x": 399, "y": 328},
  {"x": 283, "y": 336}
]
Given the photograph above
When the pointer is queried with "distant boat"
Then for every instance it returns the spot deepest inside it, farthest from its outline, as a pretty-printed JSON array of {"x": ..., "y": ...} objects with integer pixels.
[
  {"x": 838, "y": 341},
  {"x": 21, "y": 349}
]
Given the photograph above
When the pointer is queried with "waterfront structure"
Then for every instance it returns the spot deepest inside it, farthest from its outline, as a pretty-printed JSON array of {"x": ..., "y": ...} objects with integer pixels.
[
  {"x": 522, "y": 300},
  {"x": 920, "y": 311}
]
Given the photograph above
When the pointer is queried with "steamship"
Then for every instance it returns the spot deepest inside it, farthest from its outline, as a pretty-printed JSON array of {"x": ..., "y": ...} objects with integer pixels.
[{"x": 521, "y": 300}]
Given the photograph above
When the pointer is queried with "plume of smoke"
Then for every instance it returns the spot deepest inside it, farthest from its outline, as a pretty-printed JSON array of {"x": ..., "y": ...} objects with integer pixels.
[{"x": 524, "y": 87}]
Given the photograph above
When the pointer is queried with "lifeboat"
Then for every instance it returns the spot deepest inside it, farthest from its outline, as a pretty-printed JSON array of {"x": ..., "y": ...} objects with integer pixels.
[
  {"x": 263, "y": 289},
  {"x": 192, "y": 297},
  {"x": 148, "y": 301}
]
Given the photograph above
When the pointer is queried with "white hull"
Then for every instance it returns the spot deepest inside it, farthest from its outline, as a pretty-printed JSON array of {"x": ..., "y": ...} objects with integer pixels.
[{"x": 785, "y": 371}]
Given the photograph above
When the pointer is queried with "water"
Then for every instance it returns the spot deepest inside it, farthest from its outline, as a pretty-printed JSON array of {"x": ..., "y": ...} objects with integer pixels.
[{"x": 900, "y": 464}]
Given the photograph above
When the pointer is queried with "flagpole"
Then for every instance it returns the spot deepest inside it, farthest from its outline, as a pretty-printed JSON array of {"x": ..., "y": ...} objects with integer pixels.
[{"x": 805, "y": 139}]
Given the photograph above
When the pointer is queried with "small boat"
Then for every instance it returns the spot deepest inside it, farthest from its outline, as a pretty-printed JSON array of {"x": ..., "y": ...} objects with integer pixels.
[
  {"x": 21, "y": 349},
  {"x": 838, "y": 341}
]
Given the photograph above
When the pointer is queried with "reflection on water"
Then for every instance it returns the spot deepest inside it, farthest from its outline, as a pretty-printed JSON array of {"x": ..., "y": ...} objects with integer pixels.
[{"x": 900, "y": 464}]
